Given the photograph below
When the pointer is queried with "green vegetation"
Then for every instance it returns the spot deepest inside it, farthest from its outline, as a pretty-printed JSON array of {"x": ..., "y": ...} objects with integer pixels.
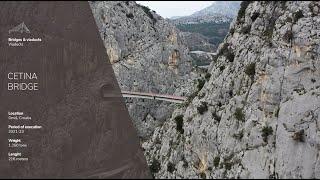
[
  {"x": 250, "y": 70},
  {"x": 227, "y": 52},
  {"x": 254, "y": 16},
  {"x": 229, "y": 55},
  {"x": 246, "y": 29},
  {"x": 297, "y": 15},
  {"x": 239, "y": 115},
  {"x": 216, "y": 117},
  {"x": 228, "y": 165},
  {"x": 191, "y": 97},
  {"x": 148, "y": 12},
  {"x": 185, "y": 164},
  {"x": 268, "y": 33},
  {"x": 288, "y": 36},
  {"x": 130, "y": 15},
  {"x": 265, "y": 132},
  {"x": 203, "y": 175},
  {"x": 222, "y": 68},
  {"x": 202, "y": 108},
  {"x": 179, "y": 123},
  {"x": 201, "y": 95},
  {"x": 155, "y": 166},
  {"x": 216, "y": 161},
  {"x": 228, "y": 162},
  {"x": 298, "y": 136},
  {"x": 207, "y": 76},
  {"x": 201, "y": 83},
  {"x": 277, "y": 112},
  {"x": 242, "y": 10},
  {"x": 171, "y": 167},
  {"x": 214, "y": 31}
]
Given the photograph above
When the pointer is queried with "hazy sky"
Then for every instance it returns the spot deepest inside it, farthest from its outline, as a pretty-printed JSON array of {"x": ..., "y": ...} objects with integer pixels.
[{"x": 168, "y": 9}]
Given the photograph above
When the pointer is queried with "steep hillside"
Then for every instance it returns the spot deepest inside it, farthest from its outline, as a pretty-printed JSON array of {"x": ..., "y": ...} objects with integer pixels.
[
  {"x": 226, "y": 8},
  {"x": 214, "y": 32},
  {"x": 212, "y": 22},
  {"x": 147, "y": 56},
  {"x": 257, "y": 116},
  {"x": 197, "y": 42}
]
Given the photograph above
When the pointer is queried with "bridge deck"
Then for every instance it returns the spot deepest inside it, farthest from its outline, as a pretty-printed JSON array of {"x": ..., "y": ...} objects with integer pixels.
[{"x": 163, "y": 97}]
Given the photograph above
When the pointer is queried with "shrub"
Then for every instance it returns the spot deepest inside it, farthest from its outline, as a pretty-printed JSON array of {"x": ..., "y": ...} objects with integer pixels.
[
  {"x": 288, "y": 36},
  {"x": 202, "y": 108},
  {"x": 179, "y": 123},
  {"x": 201, "y": 95},
  {"x": 171, "y": 167},
  {"x": 242, "y": 10},
  {"x": 283, "y": 4},
  {"x": 185, "y": 164},
  {"x": 216, "y": 161},
  {"x": 130, "y": 15},
  {"x": 216, "y": 117},
  {"x": 228, "y": 165},
  {"x": 250, "y": 70},
  {"x": 254, "y": 16},
  {"x": 207, "y": 76},
  {"x": 191, "y": 97},
  {"x": 239, "y": 135},
  {"x": 298, "y": 136},
  {"x": 266, "y": 131},
  {"x": 239, "y": 115},
  {"x": 277, "y": 112},
  {"x": 229, "y": 55},
  {"x": 155, "y": 166},
  {"x": 268, "y": 33},
  {"x": 201, "y": 83},
  {"x": 148, "y": 12},
  {"x": 246, "y": 29},
  {"x": 203, "y": 175},
  {"x": 224, "y": 48},
  {"x": 222, "y": 68},
  {"x": 231, "y": 31},
  {"x": 297, "y": 15}
]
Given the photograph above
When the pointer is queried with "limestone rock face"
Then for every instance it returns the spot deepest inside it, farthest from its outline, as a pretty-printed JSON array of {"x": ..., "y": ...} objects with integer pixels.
[
  {"x": 258, "y": 115},
  {"x": 147, "y": 56}
]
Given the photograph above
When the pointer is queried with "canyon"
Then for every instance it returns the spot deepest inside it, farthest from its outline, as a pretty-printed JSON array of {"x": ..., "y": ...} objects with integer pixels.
[{"x": 253, "y": 113}]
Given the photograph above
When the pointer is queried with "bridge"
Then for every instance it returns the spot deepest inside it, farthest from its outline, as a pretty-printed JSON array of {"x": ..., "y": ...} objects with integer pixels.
[{"x": 161, "y": 97}]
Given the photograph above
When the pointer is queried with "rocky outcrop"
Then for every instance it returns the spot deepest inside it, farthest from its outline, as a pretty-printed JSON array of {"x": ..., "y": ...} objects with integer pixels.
[
  {"x": 147, "y": 56},
  {"x": 257, "y": 116}
]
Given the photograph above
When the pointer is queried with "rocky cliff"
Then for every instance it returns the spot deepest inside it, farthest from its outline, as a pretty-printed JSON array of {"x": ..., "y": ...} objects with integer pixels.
[
  {"x": 257, "y": 116},
  {"x": 147, "y": 55}
]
